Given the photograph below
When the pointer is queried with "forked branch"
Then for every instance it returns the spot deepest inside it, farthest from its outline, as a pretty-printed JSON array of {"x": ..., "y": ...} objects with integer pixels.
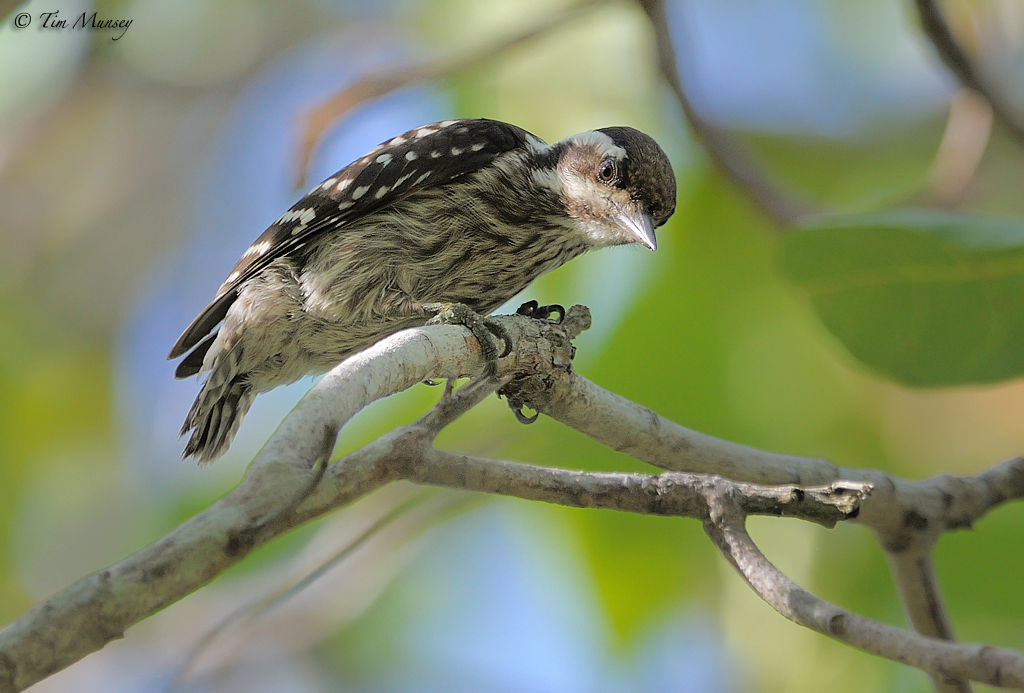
[{"x": 703, "y": 473}]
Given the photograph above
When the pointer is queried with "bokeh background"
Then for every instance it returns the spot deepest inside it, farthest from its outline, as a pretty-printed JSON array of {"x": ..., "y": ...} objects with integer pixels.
[{"x": 134, "y": 172}]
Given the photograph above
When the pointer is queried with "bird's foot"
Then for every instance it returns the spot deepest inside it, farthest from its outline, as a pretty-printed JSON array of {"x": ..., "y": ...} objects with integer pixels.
[
  {"x": 481, "y": 327},
  {"x": 532, "y": 309}
]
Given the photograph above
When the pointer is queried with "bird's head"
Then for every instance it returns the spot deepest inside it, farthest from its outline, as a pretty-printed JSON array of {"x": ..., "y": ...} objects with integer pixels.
[{"x": 617, "y": 185}]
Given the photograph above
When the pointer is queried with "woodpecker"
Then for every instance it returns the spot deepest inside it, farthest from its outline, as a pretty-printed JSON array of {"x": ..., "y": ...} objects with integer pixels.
[{"x": 456, "y": 212}]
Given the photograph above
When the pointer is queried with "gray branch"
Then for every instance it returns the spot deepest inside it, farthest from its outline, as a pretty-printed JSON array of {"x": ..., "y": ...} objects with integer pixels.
[
  {"x": 918, "y": 587},
  {"x": 949, "y": 663},
  {"x": 906, "y": 516},
  {"x": 277, "y": 493}
]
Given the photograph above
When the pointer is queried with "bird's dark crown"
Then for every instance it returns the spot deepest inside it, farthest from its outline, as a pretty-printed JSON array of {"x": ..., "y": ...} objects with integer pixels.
[{"x": 646, "y": 172}]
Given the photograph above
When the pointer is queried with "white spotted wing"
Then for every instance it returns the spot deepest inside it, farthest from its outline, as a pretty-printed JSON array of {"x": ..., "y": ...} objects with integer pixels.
[{"x": 430, "y": 155}]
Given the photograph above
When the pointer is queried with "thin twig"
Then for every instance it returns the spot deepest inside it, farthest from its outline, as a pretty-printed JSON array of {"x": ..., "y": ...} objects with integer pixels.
[
  {"x": 957, "y": 60},
  {"x": 963, "y": 144},
  {"x": 254, "y": 609},
  {"x": 373, "y": 86},
  {"x": 918, "y": 587},
  {"x": 98, "y": 608},
  {"x": 454, "y": 404},
  {"x": 724, "y": 151},
  {"x": 943, "y": 660}
]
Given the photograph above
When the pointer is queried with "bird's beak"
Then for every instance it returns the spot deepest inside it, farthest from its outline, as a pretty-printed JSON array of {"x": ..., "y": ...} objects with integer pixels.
[{"x": 639, "y": 224}]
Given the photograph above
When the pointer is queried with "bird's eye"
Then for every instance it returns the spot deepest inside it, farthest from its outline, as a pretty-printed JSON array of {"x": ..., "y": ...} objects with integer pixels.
[{"x": 606, "y": 172}]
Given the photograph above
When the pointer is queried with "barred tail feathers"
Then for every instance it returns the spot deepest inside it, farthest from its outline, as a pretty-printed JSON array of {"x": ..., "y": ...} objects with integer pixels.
[
  {"x": 214, "y": 420},
  {"x": 217, "y": 412}
]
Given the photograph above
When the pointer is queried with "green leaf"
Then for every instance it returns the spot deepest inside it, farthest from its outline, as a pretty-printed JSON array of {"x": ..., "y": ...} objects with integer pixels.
[{"x": 925, "y": 298}]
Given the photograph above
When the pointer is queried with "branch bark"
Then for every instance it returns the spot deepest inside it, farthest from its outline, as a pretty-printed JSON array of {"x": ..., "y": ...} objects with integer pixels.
[
  {"x": 906, "y": 516},
  {"x": 949, "y": 663},
  {"x": 918, "y": 587},
  {"x": 276, "y": 494},
  {"x": 903, "y": 513}
]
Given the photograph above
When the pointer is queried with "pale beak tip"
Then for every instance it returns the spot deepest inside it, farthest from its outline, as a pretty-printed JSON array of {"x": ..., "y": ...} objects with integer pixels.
[
  {"x": 639, "y": 226},
  {"x": 645, "y": 232}
]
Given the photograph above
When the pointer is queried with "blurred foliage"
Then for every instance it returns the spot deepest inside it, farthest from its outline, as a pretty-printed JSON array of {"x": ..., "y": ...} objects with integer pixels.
[
  {"x": 133, "y": 173},
  {"x": 926, "y": 298}
]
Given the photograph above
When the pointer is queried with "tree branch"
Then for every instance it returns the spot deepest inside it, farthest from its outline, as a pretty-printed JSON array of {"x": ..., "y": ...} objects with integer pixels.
[
  {"x": 99, "y": 608},
  {"x": 670, "y": 493},
  {"x": 734, "y": 163},
  {"x": 903, "y": 513},
  {"x": 918, "y": 587},
  {"x": 963, "y": 145},
  {"x": 961, "y": 65},
  {"x": 944, "y": 661},
  {"x": 373, "y": 86},
  {"x": 7, "y": 8},
  {"x": 906, "y": 516}
]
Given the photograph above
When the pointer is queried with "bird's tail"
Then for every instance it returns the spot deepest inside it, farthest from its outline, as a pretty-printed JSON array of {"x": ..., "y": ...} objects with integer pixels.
[{"x": 216, "y": 415}]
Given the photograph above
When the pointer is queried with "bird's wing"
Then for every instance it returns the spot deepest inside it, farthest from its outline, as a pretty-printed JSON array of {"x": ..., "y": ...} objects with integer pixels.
[{"x": 426, "y": 157}]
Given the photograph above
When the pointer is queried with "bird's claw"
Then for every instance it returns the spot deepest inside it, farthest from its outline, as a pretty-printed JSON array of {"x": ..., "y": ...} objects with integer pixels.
[
  {"x": 502, "y": 334},
  {"x": 449, "y": 388},
  {"x": 520, "y": 416},
  {"x": 532, "y": 309},
  {"x": 482, "y": 329}
]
